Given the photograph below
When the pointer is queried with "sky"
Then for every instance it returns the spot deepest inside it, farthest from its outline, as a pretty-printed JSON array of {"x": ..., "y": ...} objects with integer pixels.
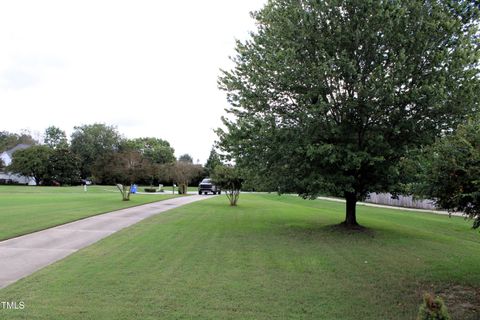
[{"x": 150, "y": 68}]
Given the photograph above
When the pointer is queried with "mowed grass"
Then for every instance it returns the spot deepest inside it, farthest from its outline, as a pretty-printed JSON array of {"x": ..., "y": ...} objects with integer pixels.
[
  {"x": 269, "y": 258},
  {"x": 27, "y": 209}
]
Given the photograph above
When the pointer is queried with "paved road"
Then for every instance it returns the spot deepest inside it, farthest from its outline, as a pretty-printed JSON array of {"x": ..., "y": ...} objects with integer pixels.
[
  {"x": 165, "y": 192},
  {"x": 21, "y": 256}
]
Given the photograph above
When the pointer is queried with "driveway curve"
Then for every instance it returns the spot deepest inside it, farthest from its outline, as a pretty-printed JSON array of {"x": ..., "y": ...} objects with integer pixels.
[{"x": 22, "y": 256}]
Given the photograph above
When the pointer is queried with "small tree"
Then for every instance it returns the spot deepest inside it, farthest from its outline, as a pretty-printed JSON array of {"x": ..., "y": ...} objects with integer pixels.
[
  {"x": 230, "y": 180},
  {"x": 182, "y": 173}
]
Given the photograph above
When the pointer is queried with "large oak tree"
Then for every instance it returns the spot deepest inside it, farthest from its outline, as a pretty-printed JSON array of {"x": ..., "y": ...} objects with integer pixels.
[{"x": 328, "y": 96}]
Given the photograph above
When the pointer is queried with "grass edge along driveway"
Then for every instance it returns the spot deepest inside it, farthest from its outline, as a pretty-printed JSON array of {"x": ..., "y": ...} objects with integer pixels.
[{"x": 25, "y": 210}]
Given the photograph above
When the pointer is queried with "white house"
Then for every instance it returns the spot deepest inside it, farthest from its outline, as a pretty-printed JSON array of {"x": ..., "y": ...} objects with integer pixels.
[{"x": 7, "y": 157}]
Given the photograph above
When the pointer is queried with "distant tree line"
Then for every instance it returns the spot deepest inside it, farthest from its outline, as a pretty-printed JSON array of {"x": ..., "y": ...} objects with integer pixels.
[{"x": 99, "y": 153}]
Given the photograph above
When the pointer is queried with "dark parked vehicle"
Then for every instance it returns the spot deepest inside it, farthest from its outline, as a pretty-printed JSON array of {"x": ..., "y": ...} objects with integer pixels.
[{"x": 207, "y": 186}]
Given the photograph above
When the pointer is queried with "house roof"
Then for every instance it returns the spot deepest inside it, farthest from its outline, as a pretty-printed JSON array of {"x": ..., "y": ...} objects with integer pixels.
[{"x": 20, "y": 146}]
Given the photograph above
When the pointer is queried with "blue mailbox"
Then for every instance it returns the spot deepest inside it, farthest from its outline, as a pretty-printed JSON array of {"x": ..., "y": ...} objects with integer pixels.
[{"x": 133, "y": 189}]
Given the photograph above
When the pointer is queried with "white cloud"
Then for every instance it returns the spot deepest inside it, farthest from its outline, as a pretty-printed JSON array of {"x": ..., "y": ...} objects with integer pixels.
[{"x": 149, "y": 67}]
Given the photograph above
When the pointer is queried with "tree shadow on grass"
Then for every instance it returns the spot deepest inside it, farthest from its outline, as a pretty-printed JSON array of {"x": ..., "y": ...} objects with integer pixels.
[
  {"x": 342, "y": 229},
  {"x": 324, "y": 231}
]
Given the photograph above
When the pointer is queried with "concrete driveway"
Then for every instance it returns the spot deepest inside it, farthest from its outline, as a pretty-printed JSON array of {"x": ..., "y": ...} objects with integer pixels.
[{"x": 21, "y": 256}]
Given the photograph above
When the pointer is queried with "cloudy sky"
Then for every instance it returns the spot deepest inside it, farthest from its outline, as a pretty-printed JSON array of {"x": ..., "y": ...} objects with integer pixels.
[{"x": 148, "y": 67}]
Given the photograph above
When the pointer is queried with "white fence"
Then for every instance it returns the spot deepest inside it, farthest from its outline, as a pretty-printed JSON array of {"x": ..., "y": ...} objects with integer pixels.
[{"x": 402, "y": 201}]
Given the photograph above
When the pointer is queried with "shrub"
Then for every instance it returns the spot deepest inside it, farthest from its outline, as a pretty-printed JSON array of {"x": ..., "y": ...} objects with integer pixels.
[
  {"x": 432, "y": 309},
  {"x": 150, "y": 190},
  {"x": 230, "y": 179}
]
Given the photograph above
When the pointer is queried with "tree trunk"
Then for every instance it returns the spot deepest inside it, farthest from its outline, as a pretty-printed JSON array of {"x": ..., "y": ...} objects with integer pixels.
[
  {"x": 233, "y": 196},
  {"x": 351, "y": 214},
  {"x": 125, "y": 191},
  {"x": 182, "y": 188}
]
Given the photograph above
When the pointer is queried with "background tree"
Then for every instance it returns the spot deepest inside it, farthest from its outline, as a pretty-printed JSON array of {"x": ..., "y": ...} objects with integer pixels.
[
  {"x": 185, "y": 158},
  {"x": 55, "y": 138},
  {"x": 2, "y": 164},
  {"x": 9, "y": 140},
  {"x": 122, "y": 168},
  {"x": 328, "y": 96},
  {"x": 154, "y": 149},
  {"x": 451, "y": 172},
  {"x": 257, "y": 182},
  {"x": 212, "y": 161},
  {"x": 182, "y": 173},
  {"x": 93, "y": 142},
  {"x": 229, "y": 179},
  {"x": 32, "y": 162},
  {"x": 64, "y": 166}
]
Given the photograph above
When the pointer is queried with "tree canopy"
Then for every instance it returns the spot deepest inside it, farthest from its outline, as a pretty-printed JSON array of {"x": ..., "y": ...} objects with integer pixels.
[
  {"x": 230, "y": 180},
  {"x": 212, "y": 162},
  {"x": 126, "y": 167},
  {"x": 55, "y": 138},
  {"x": 328, "y": 96},
  {"x": 91, "y": 142},
  {"x": 32, "y": 162},
  {"x": 47, "y": 165},
  {"x": 156, "y": 150},
  {"x": 452, "y": 171},
  {"x": 185, "y": 158},
  {"x": 9, "y": 140},
  {"x": 63, "y": 166},
  {"x": 182, "y": 173}
]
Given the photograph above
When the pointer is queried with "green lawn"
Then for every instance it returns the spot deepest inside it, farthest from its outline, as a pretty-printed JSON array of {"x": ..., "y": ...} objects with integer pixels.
[
  {"x": 27, "y": 209},
  {"x": 269, "y": 258}
]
